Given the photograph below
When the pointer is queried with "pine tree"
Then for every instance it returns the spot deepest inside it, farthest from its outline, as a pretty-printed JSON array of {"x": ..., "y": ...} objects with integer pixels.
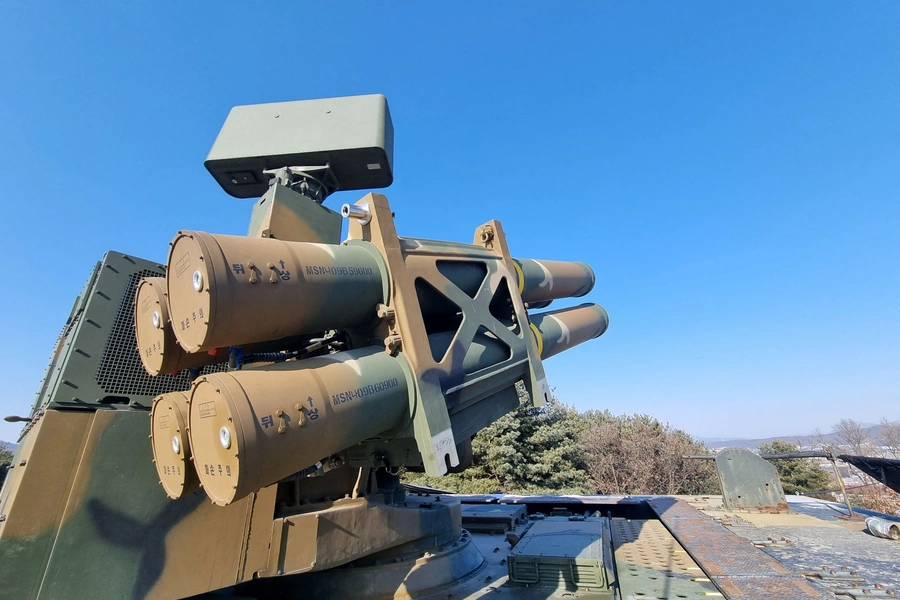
[
  {"x": 6, "y": 457},
  {"x": 797, "y": 475},
  {"x": 553, "y": 449},
  {"x": 531, "y": 450}
]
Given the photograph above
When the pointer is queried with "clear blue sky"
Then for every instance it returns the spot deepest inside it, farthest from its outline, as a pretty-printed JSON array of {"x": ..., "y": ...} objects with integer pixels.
[{"x": 730, "y": 172}]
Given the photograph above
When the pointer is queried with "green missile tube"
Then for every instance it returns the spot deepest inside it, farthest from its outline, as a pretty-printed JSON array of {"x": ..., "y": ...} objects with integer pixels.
[
  {"x": 555, "y": 331},
  {"x": 251, "y": 428},
  {"x": 232, "y": 290},
  {"x": 545, "y": 280},
  {"x": 559, "y": 330},
  {"x": 226, "y": 290},
  {"x": 538, "y": 281}
]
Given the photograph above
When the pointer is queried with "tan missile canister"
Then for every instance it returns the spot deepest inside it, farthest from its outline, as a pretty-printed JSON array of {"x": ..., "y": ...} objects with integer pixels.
[
  {"x": 171, "y": 446},
  {"x": 254, "y": 427},
  {"x": 545, "y": 280},
  {"x": 226, "y": 290},
  {"x": 559, "y": 330},
  {"x": 159, "y": 350}
]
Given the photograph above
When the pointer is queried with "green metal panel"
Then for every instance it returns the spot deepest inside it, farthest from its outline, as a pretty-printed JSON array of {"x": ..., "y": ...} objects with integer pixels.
[
  {"x": 353, "y": 134},
  {"x": 748, "y": 481},
  {"x": 282, "y": 208},
  {"x": 562, "y": 553},
  {"x": 34, "y": 498},
  {"x": 650, "y": 563},
  {"x": 114, "y": 528},
  {"x": 96, "y": 363},
  {"x": 60, "y": 350}
]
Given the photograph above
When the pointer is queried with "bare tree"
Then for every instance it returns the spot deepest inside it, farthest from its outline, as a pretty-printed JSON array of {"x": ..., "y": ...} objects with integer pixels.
[
  {"x": 853, "y": 434},
  {"x": 819, "y": 441},
  {"x": 637, "y": 454},
  {"x": 889, "y": 437},
  {"x": 601, "y": 441}
]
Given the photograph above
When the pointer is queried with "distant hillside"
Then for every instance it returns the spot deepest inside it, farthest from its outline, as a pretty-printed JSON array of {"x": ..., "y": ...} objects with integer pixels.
[
  {"x": 12, "y": 447},
  {"x": 804, "y": 441}
]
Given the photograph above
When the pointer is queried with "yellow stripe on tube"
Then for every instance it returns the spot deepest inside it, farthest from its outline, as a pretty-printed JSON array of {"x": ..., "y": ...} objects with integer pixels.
[{"x": 538, "y": 337}]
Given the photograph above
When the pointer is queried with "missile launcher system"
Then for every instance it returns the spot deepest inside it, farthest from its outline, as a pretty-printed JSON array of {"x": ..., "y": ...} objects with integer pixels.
[{"x": 232, "y": 424}]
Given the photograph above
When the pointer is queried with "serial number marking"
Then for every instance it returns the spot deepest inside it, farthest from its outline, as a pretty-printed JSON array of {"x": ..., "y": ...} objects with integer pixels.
[
  {"x": 207, "y": 409},
  {"x": 182, "y": 265},
  {"x": 364, "y": 391},
  {"x": 326, "y": 270},
  {"x": 163, "y": 422},
  {"x": 442, "y": 443}
]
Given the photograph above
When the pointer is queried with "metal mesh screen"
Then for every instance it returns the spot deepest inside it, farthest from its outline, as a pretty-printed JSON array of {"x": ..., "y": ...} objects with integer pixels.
[{"x": 121, "y": 372}]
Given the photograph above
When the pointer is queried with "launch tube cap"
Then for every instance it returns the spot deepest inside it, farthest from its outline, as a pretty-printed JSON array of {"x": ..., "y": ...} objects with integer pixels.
[
  {"x": 171, "y": 445},
  {"x": 217, "y": 439},
  {"x": 159, "y": 350},
  {"x": 189, "y": 295},
  {"x": 150, "y": 325}
]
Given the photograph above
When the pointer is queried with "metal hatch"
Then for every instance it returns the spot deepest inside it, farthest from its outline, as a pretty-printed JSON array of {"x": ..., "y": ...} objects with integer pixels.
[{"x": 561, "y": 553}]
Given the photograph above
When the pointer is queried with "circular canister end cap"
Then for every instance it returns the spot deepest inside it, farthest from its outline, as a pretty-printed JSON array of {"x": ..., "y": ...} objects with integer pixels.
[
  {"x": 154, "y": 336},
  {"x": 159, "y": 351},
  {"x": 190, "y": 288},
  {"x": 171, "y": 446},
  {"x": 217, "y": 445}
]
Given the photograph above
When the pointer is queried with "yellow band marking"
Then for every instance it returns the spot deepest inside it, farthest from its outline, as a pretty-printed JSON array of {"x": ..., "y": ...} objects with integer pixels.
[
  {"x": 538, "y": 338},
  {"x": 520, "y": 276}
]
